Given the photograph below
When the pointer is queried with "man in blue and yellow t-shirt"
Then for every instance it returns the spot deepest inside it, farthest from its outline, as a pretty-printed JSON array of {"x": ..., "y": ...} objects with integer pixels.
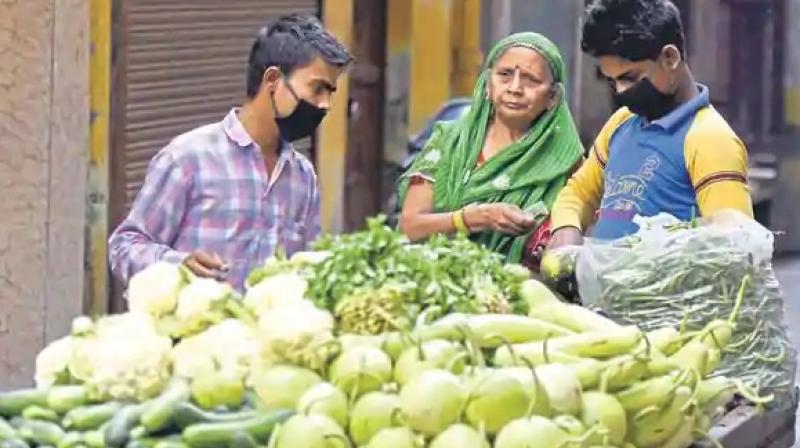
[{"x": 666, "y": 149}]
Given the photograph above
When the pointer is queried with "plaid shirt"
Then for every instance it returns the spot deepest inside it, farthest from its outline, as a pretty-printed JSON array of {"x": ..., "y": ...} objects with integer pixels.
[{"x": 209, "y": 189}]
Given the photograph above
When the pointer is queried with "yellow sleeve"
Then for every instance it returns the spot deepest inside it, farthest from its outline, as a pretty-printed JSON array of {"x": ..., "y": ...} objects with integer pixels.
[
  {"x": 717, "y": 163},
  {"x": 578, "y": 201}
]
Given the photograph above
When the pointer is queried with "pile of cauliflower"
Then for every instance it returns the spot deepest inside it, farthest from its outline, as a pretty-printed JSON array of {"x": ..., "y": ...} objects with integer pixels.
[
  {"x": 182, "y": 326},
  {"x": 119, "y": 357}
]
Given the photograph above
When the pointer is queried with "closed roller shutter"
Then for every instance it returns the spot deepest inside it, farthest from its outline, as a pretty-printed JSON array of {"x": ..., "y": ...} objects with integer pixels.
[{"x": 183, "y": 65}]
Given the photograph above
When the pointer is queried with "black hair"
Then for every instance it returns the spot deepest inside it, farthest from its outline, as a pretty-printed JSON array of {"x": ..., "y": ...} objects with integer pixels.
[
  {"x": 291, "y": 42},
  {"x": 631, "y": 29}
]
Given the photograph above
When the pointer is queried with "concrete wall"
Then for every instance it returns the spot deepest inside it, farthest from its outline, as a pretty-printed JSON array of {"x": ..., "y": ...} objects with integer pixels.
[{"x": 44, "y": 103}]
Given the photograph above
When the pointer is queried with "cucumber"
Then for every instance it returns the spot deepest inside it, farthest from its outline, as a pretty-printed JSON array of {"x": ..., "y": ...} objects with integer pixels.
[
  {"x": 40, "y": 413},
  {"x": 159, "y": 412},
  {"x": 212, "y": 435},
  {"x": 14, "y": 443},
  {"x": 693, "y": 355},
  {"x": 138, "y": 432},
  {"x": 71, "y": 440},
  {"x": 63, "y": 398},
  {"x": 243, "y": 440},
  {"x": 6, "y": 430},
  {"x": 95, "y": 438},
  {"x": 168, "y": 443},
  {"x": 592, "y": 344},
  {"x": 655, "y": 429},
  {"x": 141, "y": 443},
  {"x": 14, "y": 402},
  {"x": 41, "y": 433},
  {"x": 153, "y": 442},
  {"x": 543, "y": 304},
  {"x": 492, "y": 330},
  {"x": 715, "y": 392},
  {"x": 85, "y": 418},
  {"x": 187, "y": 414},
  {"x": 655, "y": 391},
  {"x": 251, "y": 401},
  {"x": 117, "y": 433}
]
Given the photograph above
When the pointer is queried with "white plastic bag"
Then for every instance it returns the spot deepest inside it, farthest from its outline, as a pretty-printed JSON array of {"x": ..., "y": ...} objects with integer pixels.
[{"x": 684, "y": 275}]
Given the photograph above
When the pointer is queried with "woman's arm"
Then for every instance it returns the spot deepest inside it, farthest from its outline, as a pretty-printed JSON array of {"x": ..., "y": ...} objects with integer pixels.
[{"x": 418, "y": 220}]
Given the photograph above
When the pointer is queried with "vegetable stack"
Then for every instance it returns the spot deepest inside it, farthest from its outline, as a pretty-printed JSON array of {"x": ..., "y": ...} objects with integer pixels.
[
  {"x": 563, "y": 376},
  {"x": 373, "y": 342}
]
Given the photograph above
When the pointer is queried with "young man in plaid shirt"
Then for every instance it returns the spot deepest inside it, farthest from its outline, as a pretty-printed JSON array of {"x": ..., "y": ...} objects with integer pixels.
[{"x": 223, "y": 197}]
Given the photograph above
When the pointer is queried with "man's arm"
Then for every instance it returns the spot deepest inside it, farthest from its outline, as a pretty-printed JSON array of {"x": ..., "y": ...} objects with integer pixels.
[
  {"x": 154, "y": 220},
  {"x": 580, "y": 198},
  {"x": 717, "y": 165},
  {"x": 577, "y": 202}
]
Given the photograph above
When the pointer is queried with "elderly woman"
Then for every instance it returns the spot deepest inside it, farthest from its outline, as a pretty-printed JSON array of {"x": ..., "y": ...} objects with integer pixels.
[{"x": 495, "y": 172}]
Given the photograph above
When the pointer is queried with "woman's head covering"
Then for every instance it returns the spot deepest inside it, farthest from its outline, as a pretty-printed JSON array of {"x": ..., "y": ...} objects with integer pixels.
[{"x": 528, "y": 173}]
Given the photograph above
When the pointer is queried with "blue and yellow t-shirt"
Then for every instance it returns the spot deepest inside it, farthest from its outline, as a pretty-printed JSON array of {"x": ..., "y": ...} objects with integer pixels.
[{"x": 687, "y": 163}]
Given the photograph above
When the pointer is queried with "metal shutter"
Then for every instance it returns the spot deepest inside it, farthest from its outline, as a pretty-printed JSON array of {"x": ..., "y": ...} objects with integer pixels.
[{"x": 184, "y": 66}]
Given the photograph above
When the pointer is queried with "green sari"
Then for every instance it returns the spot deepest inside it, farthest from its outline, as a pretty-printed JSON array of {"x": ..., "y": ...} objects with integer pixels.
[{"x": 528, "y": 173}]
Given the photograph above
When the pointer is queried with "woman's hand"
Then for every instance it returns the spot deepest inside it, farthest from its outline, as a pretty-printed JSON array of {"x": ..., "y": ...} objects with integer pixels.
[{"x": 503, "y": 218}]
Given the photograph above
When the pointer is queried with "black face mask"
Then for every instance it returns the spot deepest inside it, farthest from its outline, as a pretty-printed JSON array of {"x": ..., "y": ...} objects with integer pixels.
[
  {"x": 644, "y": 99},
  {"x": 302, "y": 122}
]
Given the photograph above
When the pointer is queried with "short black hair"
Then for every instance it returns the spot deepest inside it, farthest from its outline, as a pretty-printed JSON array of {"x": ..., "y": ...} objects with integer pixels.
[
  {"x": 291, "y": 42},
  {"x": 631, "y": 29}
]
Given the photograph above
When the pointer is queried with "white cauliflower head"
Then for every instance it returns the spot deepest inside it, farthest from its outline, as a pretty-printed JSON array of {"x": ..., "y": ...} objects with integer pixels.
[
  {"x": 199, "y": 296},
  {"x": 201, "y": 303},
  {"x": 299, "y": 334},
  {"x": 122, "y": 358},
  {"x": 52, "y": 362},
  {"x": 284, "y": 288},
  {"x": 230, "y": 344},
  {"x": 154, "y": 290}
]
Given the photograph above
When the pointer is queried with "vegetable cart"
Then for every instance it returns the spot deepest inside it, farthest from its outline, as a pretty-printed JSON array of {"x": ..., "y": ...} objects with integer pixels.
[{"x": 369, "y": 341}]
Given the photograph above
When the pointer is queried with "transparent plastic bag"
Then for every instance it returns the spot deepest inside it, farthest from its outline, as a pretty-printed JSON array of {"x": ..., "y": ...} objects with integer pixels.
[{"x": 684, "y": 275}]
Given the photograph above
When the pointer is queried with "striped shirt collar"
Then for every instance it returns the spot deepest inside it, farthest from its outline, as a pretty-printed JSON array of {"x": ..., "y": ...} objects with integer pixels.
[{"x": 236, "y": 132}]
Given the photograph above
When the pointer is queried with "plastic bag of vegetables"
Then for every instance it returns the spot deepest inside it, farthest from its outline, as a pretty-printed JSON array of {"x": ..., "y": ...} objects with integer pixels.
[{"x": 685, "y": 275}]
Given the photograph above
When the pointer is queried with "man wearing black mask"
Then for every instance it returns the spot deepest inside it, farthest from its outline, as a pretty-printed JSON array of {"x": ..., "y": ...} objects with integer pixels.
[
  {"x": 224, "y": 197},
  {"x": 666, "y": 149}
]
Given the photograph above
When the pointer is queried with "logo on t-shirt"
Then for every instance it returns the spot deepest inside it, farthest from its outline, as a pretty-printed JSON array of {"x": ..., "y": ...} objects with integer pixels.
[{"x": 625, "y": 194}]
